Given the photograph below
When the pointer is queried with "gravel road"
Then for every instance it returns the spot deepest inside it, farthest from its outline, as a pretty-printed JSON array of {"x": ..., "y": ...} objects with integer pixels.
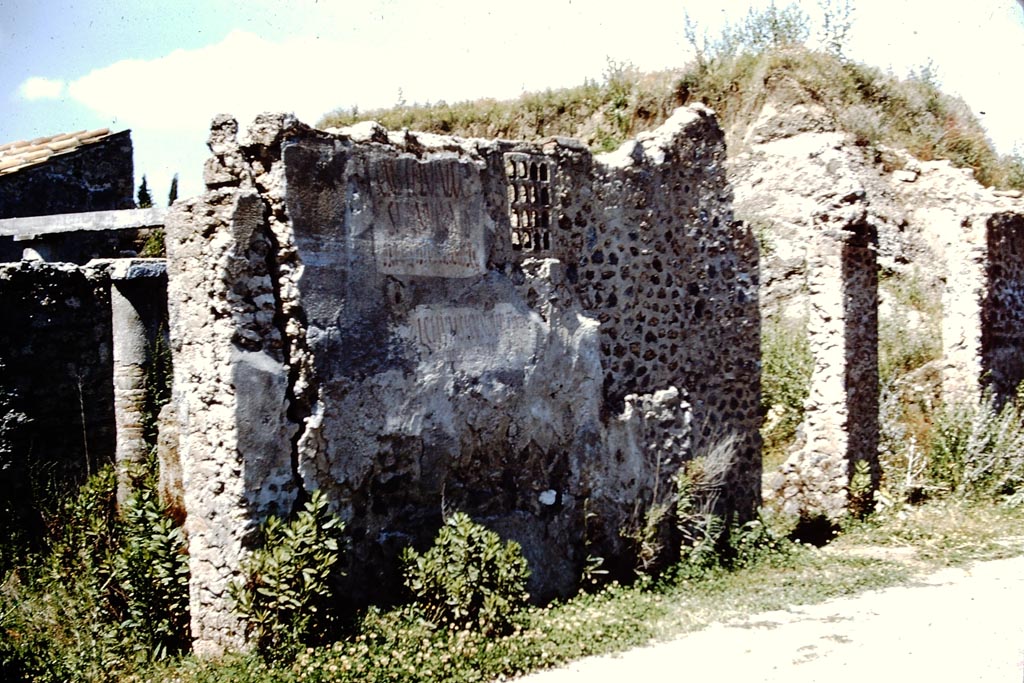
[{"x": 958, "y": 625}]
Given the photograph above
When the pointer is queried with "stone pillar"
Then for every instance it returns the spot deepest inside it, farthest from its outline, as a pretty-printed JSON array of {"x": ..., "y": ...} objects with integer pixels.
[
  {"x": 983, "y": 308},
  {"x": 229, "y": 400},
  {"x": 138, "y": 304},
  {"x": 840, "y": 425},
  {"x": 962, "y": 303}
]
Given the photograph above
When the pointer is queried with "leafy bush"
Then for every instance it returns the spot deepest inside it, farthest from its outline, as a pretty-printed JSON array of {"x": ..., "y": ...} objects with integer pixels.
[
  {"x": 1015, "y": 170},
  {"x": 110, "y": 596},
  {"x": 288, "y": 594},
  {"x": 764, "y": 29},
  {"x": 977, "y": 450},
  {"x": 149, "y": 579},
  {"x": 468, "y": 577},
  {"x": 154, "y": 247},
  {"x": 786, "y": 366}
]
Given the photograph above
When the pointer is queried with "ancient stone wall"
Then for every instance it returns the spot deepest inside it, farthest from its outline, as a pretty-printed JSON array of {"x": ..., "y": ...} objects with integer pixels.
[
  {"x": 75, "y": 346},
  {"x": 55, "y": 374},
  {"x": 983, "y": 327},
  {"x": 97, "y": 177},
  {"x": 1003, "y": 312},
  {"x": 78, "y": 237},
  {"x": 418, "y": 324}
]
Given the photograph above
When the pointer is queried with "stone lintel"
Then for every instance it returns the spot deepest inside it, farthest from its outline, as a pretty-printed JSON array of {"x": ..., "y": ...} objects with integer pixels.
[{"x": 34, "y": 227}]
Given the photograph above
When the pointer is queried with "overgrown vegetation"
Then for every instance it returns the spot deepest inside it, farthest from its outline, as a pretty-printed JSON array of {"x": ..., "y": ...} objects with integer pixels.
[
  {"x": 977, "y": 451},
  {"x": 786, "y": 366},
  {"x": 287, "y": 598},
  {"x": 107, "y": 599},
  {"x": 602, "y": 112},
  {"x": 711, "y": 544},
  {"x": 909, "y": 334},
  {"x": 764, "y": 56},
  {"x": 399, "y": 646},
  {"x": 106, "y": 592},
  {"x": 154, "y": 247},
  {"x": 468, "y": 579}
]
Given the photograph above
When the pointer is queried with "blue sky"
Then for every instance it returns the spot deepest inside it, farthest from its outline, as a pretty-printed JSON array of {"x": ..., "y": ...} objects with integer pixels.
[{"x": 164, "y": 69}]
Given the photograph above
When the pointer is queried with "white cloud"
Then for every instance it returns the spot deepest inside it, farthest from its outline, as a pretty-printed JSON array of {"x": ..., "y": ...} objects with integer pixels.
[
  {"x": 454, "y": 50},
  {"x": 38, "y": 88},
  {"x": 345, "y": 54},
  {"x": 243, "y": 74}
]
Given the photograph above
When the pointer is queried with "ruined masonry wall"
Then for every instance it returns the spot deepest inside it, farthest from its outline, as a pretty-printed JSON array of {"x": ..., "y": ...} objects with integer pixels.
[
  {"x": 840, "y": 426},
  {"x": 1003, "y": 313},
  {"x": 57, "y": 417},
  {"x": 98, "y": 177},
  {"x": 229, "y": 398},
  {"x": 983, "y": 324},
  {"x": 417, "y": 324}
]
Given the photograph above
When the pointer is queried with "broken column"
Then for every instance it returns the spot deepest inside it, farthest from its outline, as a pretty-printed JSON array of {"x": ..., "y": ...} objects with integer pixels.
[
  {"x": 138, "y": 305},
  {"x": 840, "y": 427}
]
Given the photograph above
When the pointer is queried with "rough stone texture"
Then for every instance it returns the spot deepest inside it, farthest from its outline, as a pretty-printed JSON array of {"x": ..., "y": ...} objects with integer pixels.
[
  {"x": 416, "y": 324},
  {"x": 785, "y": 177},
  {"x": 840, "y": 425},
  {"x": 169, "y": 486},
  {"x": 230, "y": 398},
  {"x": 937, "y": 228},
  {"x": 97, "y": 177},
  {"x": 983, "y": 328},
  {"x": 55, "y": 371}
]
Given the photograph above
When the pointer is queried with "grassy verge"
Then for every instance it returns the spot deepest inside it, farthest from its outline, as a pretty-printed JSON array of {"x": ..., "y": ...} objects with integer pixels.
[{"x": 396, "y": 646}]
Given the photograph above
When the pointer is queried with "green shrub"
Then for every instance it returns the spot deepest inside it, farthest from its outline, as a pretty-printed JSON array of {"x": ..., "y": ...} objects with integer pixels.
[
  {"x": 786, "y": 366},
  {"x": 110, "y": 596},
  {"x": 910, "y": 336},
  {"x": 977, "y": 450},
  {"x": 1015, "y": 170},
  {"x": 710, "y": 542},
  {"x": 154, "y": 247},
  {"x": 149, "y": 579},
  {"x": 287, "y": 598},
  {"x": 158, "y": 381},
  {"x": 468, "y": 578}
]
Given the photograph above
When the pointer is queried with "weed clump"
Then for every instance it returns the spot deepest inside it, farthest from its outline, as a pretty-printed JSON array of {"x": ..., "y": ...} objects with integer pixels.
[
  {"x": 765, "y": 55},
  {"x": 111, "y": 593},
  {"x": 786, "y": 366},
  {"x": 468, "y": 578}
]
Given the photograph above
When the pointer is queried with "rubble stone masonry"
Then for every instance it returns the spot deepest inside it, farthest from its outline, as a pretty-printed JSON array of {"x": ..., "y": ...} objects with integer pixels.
[{"x": 417, "y": 324}]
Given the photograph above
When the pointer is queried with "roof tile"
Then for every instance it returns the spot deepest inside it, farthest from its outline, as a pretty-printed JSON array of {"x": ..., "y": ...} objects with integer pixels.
[{"x": 15, "y": 156}]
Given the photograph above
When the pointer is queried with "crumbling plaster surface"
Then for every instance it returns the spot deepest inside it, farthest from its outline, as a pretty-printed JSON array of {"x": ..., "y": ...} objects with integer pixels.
[
  {"x": 417, "y": 324},
  {"x": 840, "y": 427},
  {"x": 983, "y": 329}
]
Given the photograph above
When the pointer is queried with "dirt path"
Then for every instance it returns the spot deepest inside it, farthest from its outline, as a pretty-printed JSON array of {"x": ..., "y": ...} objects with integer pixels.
[{"x": 953, "y": 625}]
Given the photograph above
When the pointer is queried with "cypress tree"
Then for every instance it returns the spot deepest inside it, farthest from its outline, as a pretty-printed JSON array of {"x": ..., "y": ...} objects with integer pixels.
[
  {"x": 173, "y": 194},
  {"x": 145, "y": 200}
]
